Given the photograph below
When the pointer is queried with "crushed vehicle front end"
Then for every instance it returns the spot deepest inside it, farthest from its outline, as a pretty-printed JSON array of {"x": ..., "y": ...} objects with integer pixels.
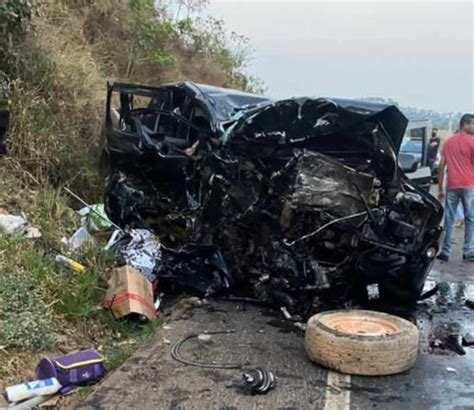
[{"x": 303, "y": 197}]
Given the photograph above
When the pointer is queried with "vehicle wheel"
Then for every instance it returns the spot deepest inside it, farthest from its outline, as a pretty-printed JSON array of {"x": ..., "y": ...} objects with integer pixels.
[{"x": 362, "y": 342}]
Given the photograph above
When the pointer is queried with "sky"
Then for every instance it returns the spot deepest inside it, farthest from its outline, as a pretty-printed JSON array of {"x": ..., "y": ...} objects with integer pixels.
[{"x": 419, "y": 53}]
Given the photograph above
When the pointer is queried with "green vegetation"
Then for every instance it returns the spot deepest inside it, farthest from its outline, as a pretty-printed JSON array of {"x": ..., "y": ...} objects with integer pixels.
[
  {"x": 59, "y": 56},
  {"x": 55, "y": 58},
  {"x": 41, "y": 302},
  {"x": 25, "y": 320}
]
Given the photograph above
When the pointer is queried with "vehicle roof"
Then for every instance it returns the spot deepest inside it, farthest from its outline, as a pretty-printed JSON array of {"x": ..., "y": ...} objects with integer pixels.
[{"x": 224, "y": 103}]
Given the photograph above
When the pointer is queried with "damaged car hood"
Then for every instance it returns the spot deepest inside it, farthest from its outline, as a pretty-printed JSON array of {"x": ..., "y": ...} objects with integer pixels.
[{"x": 303, "y": 118}]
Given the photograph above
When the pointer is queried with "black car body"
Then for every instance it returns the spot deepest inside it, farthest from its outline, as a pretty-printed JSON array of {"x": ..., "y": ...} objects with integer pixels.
[{"x": 304, "y": 197}]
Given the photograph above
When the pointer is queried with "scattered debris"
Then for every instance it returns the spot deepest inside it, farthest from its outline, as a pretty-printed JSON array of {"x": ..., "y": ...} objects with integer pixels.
[
  {"x": 30, "y": 403},
  {"x": 69, "y": 263},
  {"x": 285, "y": 312},
  {"x": 12, "y": 224},
  {"x": 32, "y": 233},
  {"x": 189, "y": 303},
  {"x": 204, "y": 337},
  {"x": 53, "y": 401},
  {"x": 453, "y": 342},
  {"x": 57, "y": 376},
  {"x": 20, "y": 392},
  {"x": 137, "y": 248},
  {"x": 129, "y": 292},
  {"x": 95, "y": 218},
  {"x": 18, "y": 226},
  {"x": 445, "y": 294},
  {"x": 373, "y": 292},
  {"x": 74, "y": 369},
  {"x": 198, "y": 267},
  {"x": 175, "y": 353},
  {"x": 300, "y": 326},
  {"x": 157, "y": 303},
  {"x": 430, "y": 292},
  {"x": 259, "y": 381},
  {"x": 79, "y": 237},
  {"x": 436, "y": 343},
  {"x": 441, "y": 334},
  {"x": 97, "y": 210}
]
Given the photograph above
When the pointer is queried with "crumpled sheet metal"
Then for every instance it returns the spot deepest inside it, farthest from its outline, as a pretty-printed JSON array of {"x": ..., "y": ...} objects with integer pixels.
[
  {"x": 299, "y": 196},
  {"x": 198, "y": 267},
  {"x": 137, "y": 248},
  {"x": 325, "y": 184}
]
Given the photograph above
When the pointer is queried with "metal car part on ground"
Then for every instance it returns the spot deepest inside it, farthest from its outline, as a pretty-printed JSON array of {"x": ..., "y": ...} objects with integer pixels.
[{"x": 303, "y": 197}]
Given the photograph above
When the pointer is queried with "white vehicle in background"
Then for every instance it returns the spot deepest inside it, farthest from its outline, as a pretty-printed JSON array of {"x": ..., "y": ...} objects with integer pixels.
[{"x": 413, "y": 155}]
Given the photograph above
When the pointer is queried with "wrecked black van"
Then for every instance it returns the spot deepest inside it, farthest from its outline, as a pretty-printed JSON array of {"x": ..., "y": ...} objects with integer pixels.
[{"x": 303, "y": 197}]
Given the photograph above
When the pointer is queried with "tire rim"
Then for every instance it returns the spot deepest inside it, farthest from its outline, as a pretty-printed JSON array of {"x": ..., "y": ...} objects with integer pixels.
[{"x": 360, "y": 325}]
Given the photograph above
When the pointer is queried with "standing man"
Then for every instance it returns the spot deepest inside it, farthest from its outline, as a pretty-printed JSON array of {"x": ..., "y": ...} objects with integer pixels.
[
  {"x": 458, "y": 158},
  {"x": 433, "y": 148}
]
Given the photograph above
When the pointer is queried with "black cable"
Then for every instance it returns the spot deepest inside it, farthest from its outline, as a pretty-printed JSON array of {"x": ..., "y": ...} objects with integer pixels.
[{"x": 175, "y": 354}]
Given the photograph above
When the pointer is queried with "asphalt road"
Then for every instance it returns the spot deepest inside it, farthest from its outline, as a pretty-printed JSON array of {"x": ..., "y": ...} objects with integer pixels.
[
  {"x": 152, "y": 379},
  {"x": 440, "y": 379}
]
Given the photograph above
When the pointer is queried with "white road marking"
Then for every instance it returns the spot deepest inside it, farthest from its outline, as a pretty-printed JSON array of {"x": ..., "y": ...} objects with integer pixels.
[{"x": 338, "y": 394}]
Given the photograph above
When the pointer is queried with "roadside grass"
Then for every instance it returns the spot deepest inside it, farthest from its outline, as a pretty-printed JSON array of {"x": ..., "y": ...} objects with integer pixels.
[
  {"x": 48, "y": 308},
  {"x": 25, "y": 320},
  {"x": 129, "y": 336}
]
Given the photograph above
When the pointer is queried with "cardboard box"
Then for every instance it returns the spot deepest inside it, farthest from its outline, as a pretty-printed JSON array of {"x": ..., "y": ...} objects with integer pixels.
[{"x": 129, "y": 292}]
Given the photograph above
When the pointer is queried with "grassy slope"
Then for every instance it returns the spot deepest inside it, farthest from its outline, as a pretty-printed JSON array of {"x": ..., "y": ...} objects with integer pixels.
[
  {"x": 57, "y": 103},
  {"x": 43, "y": 307}
]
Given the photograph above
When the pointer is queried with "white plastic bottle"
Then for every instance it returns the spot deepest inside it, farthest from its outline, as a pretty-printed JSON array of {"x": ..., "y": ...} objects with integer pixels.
[{"x": 25, "y": 391}]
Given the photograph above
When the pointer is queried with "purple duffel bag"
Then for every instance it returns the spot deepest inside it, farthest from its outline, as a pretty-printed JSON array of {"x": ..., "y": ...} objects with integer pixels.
[{"x": 74, "y": 369}]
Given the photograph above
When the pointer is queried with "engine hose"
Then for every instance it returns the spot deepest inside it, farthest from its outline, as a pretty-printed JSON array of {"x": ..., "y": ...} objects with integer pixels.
[{"x": 175, "y": 353}]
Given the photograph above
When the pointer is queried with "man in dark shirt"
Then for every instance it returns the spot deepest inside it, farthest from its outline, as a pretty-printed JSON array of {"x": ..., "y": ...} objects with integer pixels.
[{"x": 433, "y": 147}]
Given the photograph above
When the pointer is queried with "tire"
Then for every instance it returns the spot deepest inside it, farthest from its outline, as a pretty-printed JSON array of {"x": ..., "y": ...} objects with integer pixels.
[{"x": 362, "y": 342}]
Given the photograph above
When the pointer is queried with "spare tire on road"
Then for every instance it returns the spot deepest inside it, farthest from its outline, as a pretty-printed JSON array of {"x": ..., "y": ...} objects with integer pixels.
[{"x": 362, "y": 342}]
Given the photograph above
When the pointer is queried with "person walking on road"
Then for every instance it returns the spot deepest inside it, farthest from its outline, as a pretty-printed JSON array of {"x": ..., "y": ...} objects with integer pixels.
[{"x": 458, "y": 158}]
